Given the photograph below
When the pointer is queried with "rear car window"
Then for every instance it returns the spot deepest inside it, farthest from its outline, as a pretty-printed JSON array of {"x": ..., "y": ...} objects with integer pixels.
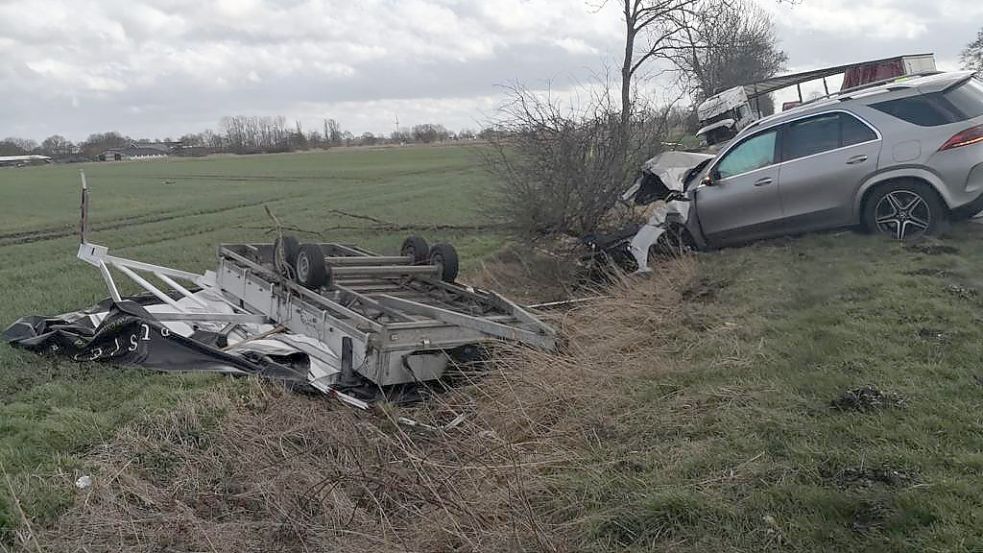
[
  {"x": 824, "y": 133},
  {"x": 938, "y": 108},
  {"x": 853, "y": 131},
  {"x": 812, "y": 136}
]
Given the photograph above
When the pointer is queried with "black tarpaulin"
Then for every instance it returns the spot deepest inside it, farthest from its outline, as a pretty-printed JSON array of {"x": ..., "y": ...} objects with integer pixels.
[{"x": 128, "y": 334}]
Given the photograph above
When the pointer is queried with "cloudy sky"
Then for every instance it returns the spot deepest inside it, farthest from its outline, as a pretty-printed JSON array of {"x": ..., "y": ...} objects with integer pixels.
[{"x": 166, "y": 67}]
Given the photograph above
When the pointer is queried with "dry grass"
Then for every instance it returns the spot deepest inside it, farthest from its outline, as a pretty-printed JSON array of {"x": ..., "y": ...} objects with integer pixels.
[
  {"x": 250, "y": 467},
  {"x": 529, "y": 276}
]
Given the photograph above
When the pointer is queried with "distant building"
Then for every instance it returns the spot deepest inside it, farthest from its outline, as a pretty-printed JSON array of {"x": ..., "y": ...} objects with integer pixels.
[
  {"x": 21, "y": 161},
  {"x": 137, "y": 150}
]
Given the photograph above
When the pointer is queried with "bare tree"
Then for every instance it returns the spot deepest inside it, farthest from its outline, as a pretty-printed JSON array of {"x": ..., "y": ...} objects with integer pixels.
[
  {"x": 97, "y": 143},
  {"x": 332, "y": 132},
  {"x": 722, "y": 44},
  {"x": 57, "y": 146},
  {"x": 649, "y": 27},
  {"x": 429, "y": 132},
  {"x": 972, "y": 55}
]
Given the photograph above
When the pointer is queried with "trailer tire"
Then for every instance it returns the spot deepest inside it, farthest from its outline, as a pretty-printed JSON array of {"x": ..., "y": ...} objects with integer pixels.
[
  {"x": 417, "y": 248},
  {"x": 311, "y": 269},
  {"x": 285, "y": 250},
  {"x": 445, "y": 257}
]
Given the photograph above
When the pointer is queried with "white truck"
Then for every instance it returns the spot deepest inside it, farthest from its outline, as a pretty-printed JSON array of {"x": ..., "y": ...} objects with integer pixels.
[{"x": 725, "y": 114}]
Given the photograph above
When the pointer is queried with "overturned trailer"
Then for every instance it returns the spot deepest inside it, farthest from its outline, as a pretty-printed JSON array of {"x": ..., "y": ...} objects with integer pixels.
[{"x": 331, "y": 315}]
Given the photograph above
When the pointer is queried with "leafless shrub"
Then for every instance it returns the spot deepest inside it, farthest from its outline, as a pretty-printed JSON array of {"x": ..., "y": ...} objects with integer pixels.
[
  {"x": 562, "y": 165},
  {"x": 257, "y": 468}
]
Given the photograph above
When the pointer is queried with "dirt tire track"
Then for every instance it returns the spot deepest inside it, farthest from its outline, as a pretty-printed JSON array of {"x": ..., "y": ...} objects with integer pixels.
[{"x": 64, "y": 231}]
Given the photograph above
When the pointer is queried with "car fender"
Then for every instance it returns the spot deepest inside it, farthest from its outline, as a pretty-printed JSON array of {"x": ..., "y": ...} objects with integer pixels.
[
  {"x": 920, "y": 173},
  {"x": 693, "y": 225}
]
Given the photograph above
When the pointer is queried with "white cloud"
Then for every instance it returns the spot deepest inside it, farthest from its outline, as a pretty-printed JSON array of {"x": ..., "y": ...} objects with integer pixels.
[
  {"x": 165, "y": 67},
  {"x": 863, "y": 20}
]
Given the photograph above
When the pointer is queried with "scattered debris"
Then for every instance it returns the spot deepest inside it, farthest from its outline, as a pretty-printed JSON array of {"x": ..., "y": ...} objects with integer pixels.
[
  {"x": 443, "y": 428},
  {"x": 961, "y": 291},
  {"x": 83, "y": 482},
  {"x": 865, "y": 477},
  {"x": 867, "y": 399}
]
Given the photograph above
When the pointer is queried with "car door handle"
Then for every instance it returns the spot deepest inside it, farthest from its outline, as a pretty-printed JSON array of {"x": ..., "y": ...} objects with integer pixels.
[
  {"x": 856, "y": 159},
  {"x": 763, "y": 182}
]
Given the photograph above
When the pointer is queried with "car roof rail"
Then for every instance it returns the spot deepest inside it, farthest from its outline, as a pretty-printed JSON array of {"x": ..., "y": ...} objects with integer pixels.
[{"x": 850, "y": 93}]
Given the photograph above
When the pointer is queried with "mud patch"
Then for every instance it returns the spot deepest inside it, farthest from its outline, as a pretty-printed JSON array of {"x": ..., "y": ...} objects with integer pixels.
[
  {"x": 933, "y": 248},
  {"x": 934, "y": 335},
  {"x": 868, "y": 477},
  {"x": 868, "y": 398},
  {"x": 931, "y": 272},
  {"x": 704, "y": 290},
  {"x": 869, "y": 517}
]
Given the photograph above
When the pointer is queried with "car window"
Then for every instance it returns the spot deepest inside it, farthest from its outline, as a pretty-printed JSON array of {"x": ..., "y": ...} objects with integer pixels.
[
  {"x": 854, "y": 131},
  {"x": 811, "y": 136},
  {"x": 938, "y": 108},
  {"x": 754, "y": 153},
  {"x": 966, "y": 99}
]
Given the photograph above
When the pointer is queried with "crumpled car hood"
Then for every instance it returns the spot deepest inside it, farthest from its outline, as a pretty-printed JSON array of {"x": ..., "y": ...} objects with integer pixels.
[{"x": 670, "y": 168}]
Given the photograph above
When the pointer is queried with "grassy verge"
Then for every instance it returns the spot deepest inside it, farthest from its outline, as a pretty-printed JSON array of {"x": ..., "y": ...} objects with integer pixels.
[
  {"x": 732, "y": 442},
  {"x": 702, "y": 409}
]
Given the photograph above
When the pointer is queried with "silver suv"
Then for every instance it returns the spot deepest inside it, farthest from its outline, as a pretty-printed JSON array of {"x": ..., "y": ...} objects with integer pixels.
[{"x": 900, "y": 158}]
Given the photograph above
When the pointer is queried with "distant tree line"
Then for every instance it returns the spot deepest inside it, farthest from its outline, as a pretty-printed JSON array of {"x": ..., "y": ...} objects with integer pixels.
[{"x": 241, "y": 134}]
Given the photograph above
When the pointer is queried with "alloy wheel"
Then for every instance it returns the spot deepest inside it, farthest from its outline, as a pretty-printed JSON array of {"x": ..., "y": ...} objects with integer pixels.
[
  {"x": 902, "y": 214},
  {"x": 303, "y": 267}
]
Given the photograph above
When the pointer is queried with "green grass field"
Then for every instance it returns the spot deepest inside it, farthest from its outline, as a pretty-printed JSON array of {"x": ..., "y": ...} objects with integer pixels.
[
  {"x": 733, "y": 441},
  {"x": 175, "y": 212},
  {"x": 728, "y": 442}
]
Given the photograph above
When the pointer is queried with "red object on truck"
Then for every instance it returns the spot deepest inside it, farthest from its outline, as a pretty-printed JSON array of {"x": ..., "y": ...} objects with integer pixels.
[
  {"x": 882, "y": 70},
  {"x": 873, "y": 72}
]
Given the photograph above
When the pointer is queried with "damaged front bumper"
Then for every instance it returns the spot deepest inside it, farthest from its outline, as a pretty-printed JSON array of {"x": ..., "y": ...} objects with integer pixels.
[{"x": 670, "y": 218}]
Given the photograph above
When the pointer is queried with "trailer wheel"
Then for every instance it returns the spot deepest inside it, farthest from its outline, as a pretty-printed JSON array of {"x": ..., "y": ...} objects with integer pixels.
[
  {"x": 285, "y": 250},
  {"x": 445, "y": 257},
  {"x": 417, "y": 248},
  {"x": 311, "y": 270}
]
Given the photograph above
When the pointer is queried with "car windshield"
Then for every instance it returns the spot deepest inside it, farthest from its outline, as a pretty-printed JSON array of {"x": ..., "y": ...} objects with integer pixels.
[{"x": 754, "y": 153}]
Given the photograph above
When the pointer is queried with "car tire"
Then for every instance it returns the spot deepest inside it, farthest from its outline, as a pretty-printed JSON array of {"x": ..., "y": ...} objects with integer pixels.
[
  {"x": 417, "y": 248},
  {"x": 675, "y": 242},
  {"x": 445, "y": 257},
  {"x": 905, "y": 210},
  {"x": 311, "y": 269}
]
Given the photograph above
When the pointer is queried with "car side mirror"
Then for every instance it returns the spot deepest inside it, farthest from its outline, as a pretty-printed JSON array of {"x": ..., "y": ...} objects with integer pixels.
[{"x": 711, "y": 178}]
